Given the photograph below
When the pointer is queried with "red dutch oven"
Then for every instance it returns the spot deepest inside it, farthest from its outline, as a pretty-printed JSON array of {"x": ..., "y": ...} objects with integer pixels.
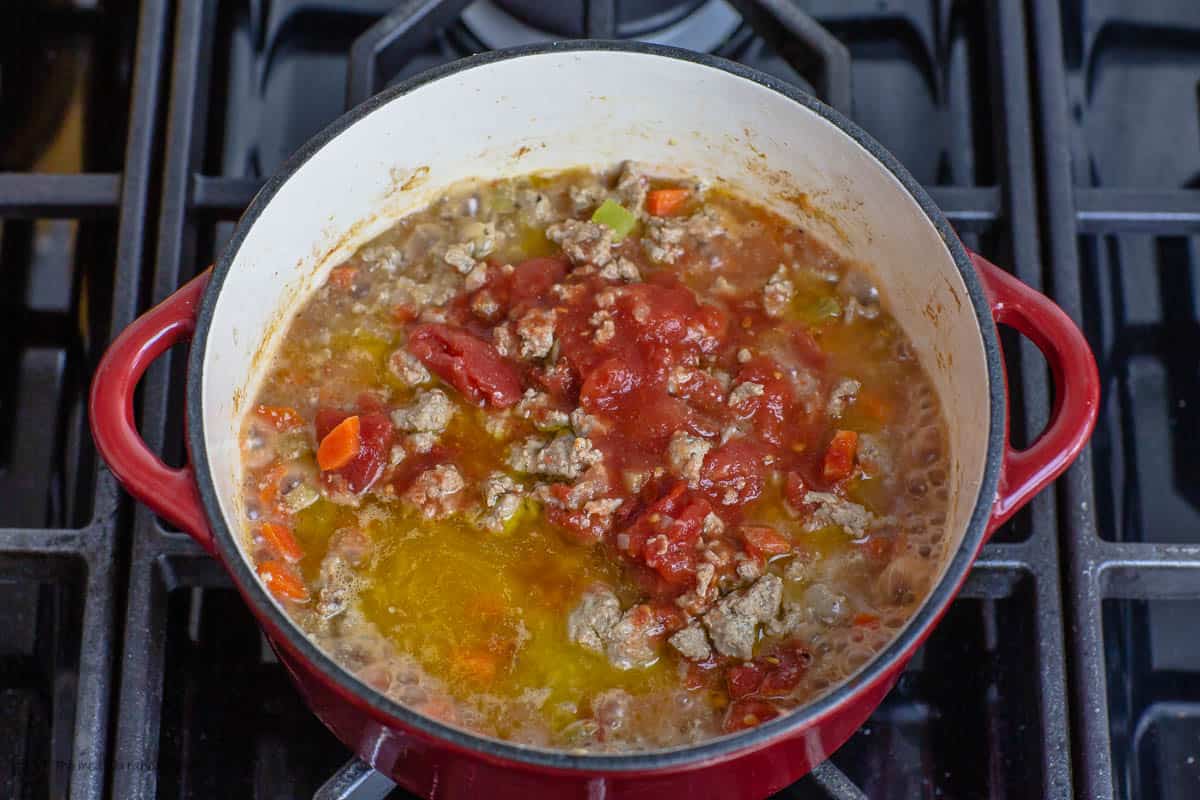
[{"x": 551, "y": 107}]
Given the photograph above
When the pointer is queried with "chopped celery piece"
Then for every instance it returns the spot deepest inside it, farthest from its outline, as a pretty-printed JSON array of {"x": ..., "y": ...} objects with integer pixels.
[{"x": 614, "y": 215}]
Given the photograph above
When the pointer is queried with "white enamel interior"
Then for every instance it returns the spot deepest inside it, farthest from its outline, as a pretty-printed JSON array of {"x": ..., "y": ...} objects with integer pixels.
[{"x": 564, "y": 109}]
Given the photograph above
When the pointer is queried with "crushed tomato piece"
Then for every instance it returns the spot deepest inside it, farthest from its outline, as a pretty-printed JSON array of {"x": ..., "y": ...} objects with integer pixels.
[
  {"x": 839, "y": 458},
  {"x": 743, "y": 714},
  {"x": 365, "y": 466},
  {"x": 764, "y": 542},
  {"x": 467, "y": 363},
  {"x": 743, "y": 679},
  {"x": 664, "y": 535}
]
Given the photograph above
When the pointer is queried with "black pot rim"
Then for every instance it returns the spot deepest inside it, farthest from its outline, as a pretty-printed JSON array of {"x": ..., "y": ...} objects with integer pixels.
[{"x": 717, "y": 749}]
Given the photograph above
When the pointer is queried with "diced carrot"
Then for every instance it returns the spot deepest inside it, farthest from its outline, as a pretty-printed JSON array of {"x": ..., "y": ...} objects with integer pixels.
[
  {"x": 839, "y": 458},
  {"x": 479, "y": 666},
  {"x": 866, "y": 620},
  {"x": 665, "y": 202},
  {"x": 343, "y": 277},
  {"x": 282, "y": 418},
  {"x": 283, "y": 581},
  {"x": 763, "y": 541},
  {"x": 281, "y": 541},
  {"x": 268, "y": 486},
  {"x": 340, "y": 445}
]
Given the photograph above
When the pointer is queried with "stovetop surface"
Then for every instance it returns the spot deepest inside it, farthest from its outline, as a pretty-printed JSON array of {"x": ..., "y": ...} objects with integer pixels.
[{"x": 1061, "y": 137}]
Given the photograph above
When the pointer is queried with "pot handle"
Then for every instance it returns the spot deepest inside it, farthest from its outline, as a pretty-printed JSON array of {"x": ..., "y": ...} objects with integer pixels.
[
  {"x": 1076, "y": 389},
  {"x": 170, "y": 492}
]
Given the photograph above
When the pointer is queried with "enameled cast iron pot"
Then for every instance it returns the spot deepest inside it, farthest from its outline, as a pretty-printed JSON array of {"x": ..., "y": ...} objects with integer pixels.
[{"x": 556, "y": 106}]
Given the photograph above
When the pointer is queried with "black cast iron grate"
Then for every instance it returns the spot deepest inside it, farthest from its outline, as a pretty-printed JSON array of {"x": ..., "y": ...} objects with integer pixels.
[
  {"x": 201, "y": 709},
  {"x": 1121, "y": 215},
  {"x": 76, "y": 147}
]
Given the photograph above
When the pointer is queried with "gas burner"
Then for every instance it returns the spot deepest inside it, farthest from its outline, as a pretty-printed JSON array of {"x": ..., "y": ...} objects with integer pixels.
[
  {"x": 41, "y": 87},
  {"x": 811, "y": 56},
  {"x": 702, "y": 26},
  {"x": 628, "y": 19}
]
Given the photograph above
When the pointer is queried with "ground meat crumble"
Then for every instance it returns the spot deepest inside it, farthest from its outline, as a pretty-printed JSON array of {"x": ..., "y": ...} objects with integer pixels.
[
  {"x": 437, "y": 492},
  {"x": 686, "y": 454},
  {"x": 536, "y": 331},
  {"x": 430, "y": 412},
  {"x": 502, "y": 497},
  {"x": 778, "y": 292},
  {"x": 627, "y": 639},
  {"x": 565, "y": 456},
  {"x": 583, "y": 242},
  {"x": 733, "y": 622},
  {"x": 829, "y": 509}
]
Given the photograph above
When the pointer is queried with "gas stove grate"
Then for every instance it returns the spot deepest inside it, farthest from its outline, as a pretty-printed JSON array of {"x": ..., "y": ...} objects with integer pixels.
[
  {"x": 1015, "y": 586},
  {"x": 1120, "y": 224},
  {"x": 71, "y": 243},
  {"x": 149, "y": 641}
]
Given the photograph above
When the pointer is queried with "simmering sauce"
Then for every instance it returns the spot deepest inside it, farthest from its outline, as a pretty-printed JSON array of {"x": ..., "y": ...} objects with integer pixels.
[{"x": 596, "y": 461}]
